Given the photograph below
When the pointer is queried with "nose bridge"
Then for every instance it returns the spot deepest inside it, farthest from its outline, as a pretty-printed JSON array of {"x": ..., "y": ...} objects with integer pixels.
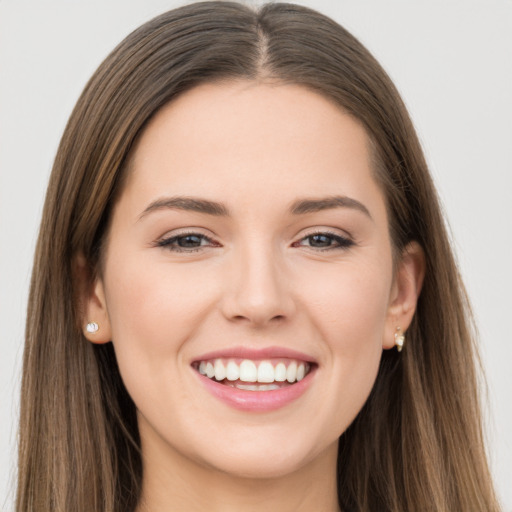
[{"x": 258, "y": 290}]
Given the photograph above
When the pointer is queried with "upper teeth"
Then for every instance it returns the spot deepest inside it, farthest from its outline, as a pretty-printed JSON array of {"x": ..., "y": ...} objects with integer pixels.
[{"x": 251, "y": 371}]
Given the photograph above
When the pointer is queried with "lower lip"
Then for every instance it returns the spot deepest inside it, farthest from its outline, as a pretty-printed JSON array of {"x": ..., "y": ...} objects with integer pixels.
[{"x": 257, "y": 401}]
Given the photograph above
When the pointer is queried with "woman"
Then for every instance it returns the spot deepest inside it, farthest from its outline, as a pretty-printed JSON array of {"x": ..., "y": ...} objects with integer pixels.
[{"x": 239, "y": 228}]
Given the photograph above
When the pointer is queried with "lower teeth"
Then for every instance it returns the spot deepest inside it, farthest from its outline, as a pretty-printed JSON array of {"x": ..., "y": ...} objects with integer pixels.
[{"x": 254, "y": 387}]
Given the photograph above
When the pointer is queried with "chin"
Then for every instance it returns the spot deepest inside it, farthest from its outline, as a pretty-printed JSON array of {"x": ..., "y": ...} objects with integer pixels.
[{"x": 262, "y": 464}]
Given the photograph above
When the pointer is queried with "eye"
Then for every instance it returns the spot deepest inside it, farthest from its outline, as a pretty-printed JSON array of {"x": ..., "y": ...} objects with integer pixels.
[
  {"x": 187, "y": 242},
  {"x": 324, "y": 241}
]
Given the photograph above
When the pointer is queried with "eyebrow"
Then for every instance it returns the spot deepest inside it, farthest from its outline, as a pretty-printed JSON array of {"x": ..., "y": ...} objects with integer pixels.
[
  {"x": 191, "y": 204},
  {"x": 304, "y": 206},
  {"x": 299, "y": 207}
]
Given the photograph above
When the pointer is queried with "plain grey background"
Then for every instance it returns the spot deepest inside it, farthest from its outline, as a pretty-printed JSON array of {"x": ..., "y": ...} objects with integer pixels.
[{"x": 450, "y": 59}]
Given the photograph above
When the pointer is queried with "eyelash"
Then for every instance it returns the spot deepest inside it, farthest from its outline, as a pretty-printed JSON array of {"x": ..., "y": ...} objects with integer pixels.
[
  {"x": 342, "y": 243},
  {"x": 168, "y": 242}
]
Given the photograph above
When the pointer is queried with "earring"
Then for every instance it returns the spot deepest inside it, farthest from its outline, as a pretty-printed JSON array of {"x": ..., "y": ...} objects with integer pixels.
[
  {"x": 92, "y": 327},
  {"x": 399, "y": 339}
]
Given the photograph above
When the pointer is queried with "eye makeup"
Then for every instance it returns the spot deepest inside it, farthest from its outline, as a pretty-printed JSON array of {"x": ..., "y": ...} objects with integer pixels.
[{"x": 192, "y": 241}]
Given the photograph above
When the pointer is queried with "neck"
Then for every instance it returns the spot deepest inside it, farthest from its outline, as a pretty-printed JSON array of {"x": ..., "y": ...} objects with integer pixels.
[{"x": 176, "y": 483}]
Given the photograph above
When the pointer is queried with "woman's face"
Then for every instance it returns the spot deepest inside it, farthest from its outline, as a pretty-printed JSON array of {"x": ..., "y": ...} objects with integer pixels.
[{"x": 250, "y": 239}]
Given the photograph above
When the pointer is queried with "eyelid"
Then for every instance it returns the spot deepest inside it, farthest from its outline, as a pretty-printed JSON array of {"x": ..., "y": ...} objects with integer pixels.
[
  {"x": 344, "y": 241},
  {"x": 326, "y": 230},
  {"x": 167, "y": 240}
]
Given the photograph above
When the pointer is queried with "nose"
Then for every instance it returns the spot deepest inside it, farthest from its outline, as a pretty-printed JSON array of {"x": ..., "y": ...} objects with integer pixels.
[{"x": 257, "y": 290}]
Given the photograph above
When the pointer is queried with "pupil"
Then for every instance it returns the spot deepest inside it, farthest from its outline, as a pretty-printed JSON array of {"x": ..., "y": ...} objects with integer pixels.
[
  {"x": 189, "y": 241},
  {"x": 320, "y": 240}
]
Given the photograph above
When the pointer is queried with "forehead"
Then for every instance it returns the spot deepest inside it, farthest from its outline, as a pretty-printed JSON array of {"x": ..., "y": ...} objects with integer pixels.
[{"x": 222, "y": 140}]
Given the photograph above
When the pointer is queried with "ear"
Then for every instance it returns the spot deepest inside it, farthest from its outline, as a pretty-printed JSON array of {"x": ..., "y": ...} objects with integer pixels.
[
  {"x": 405, "y": 291},
  {"x": 92, "y": 302}
]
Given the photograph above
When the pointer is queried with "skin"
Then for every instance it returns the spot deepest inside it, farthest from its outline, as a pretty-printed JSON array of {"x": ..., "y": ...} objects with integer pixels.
[{"x": 259, "y": 282}]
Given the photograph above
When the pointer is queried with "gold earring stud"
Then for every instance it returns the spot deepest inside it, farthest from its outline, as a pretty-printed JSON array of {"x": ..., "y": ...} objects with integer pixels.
[
  {"x": 399, "y": 339},
  {"x": 92, "y": 327}
]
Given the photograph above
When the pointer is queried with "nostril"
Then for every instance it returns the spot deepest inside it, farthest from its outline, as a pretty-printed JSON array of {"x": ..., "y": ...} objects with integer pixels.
[{"x": 274, "y": 319}]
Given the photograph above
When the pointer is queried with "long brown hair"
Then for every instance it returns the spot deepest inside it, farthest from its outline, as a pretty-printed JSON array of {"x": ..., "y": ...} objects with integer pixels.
[{"x": 417, "y": 443}]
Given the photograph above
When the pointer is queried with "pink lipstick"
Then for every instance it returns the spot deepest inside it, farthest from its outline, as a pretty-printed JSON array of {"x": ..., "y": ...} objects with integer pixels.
[{"x": 256, "y": 379}]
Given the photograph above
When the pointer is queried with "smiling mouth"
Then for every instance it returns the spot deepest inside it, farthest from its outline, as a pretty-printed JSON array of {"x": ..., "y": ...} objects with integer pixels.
[{"x": 254, "y": 375}]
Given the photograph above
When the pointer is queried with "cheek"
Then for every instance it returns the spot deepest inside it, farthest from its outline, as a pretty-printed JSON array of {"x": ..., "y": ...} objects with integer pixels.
[
  {"x": 349, "y": 311},
  {"x": 154, "y": 307},
  {"x": 155, "y": 311},
  {"x": 349, "y": 304}
]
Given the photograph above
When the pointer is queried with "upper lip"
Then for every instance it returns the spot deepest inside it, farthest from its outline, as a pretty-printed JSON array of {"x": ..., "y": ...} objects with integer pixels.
[{"x": 256, "y": 354}]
